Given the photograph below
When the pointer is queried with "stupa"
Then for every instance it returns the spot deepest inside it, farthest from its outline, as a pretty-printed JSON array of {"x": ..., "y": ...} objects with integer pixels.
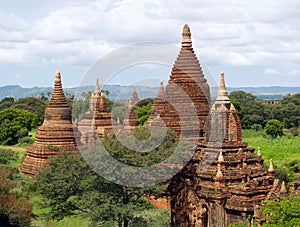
[
  {"x": 54, "y": 135},
  {"x": 225, "y": 181},
  {"x": 97, "y": 119},
  {"x": 103, "y": 119},
  {"x": 130, "y": 121},
  {"x": 134, "y": 98},
  {"x": 184, "y": 104}
]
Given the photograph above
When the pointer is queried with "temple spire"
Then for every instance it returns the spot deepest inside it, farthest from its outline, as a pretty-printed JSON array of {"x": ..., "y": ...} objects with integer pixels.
[
  {"x": 258, "y": 152},
  {"x": 219, "y": 172},
  {"x": 221, "y": 157},
  {"x": 57, "y": 77},
  {"x": 97, "y": 85},
  {"x": 283, "y": 189},
  {"x": 222, "y": 93},
  {"x": 186, "y": 36},
  {"x": 271, "y": 167},
  {"x": 58, "y": 98}
]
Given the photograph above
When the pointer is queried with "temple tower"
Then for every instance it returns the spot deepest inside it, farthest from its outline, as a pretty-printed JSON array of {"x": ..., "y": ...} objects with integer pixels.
[
  {"x": 54, "y": 135},
  {"x": 225, "y": 181},
  {"x": 97, "y": 119},
  {"x": 184, "y": 104}
]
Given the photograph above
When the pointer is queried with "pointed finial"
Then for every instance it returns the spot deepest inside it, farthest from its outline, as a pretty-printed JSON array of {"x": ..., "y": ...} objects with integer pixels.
[
  {"x": 219, "y": 172},
  {"x": 222, "y": 93},
  {"x": 258, "y": 152},
  {"x": 221, "y": 157},
  {"x": 222, "y": 82},
  {"x": 283, "y": 188},
  {"x": 186, "y": 36},
  {"x": 271, "y": 167},
  {"x": 161, "y": 84},
  {"x": 97, "y": 84},
  {"x": 57, "y": 76}
]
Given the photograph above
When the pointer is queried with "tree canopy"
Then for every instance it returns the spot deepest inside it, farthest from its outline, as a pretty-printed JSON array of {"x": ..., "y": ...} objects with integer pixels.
[{"x": 15, "y": 124}]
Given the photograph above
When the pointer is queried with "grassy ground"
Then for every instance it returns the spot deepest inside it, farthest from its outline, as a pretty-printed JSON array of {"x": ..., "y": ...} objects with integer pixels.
[{"x": 281, "y": 150}]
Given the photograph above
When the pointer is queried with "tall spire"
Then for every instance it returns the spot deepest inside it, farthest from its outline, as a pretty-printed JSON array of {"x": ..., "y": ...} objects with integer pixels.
[
  {"x": 95, "y": 97},
  {"x": 58, "y": 98},
  {"x": 186, "y": 36},
  {"x": 97, "y": 85},
  {"x": 222, "y": 93},
  {"x": 161, "y": 91}
]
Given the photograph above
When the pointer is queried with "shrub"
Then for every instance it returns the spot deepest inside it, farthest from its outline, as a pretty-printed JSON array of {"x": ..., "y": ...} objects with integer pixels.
[
  {"x": 274, "y": 128},
  {"x": 7, "y": 155}
]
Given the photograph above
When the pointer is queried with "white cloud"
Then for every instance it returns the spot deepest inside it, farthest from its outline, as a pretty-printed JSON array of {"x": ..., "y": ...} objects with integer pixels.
[
  {"x": 272, "y": 71},
  {"x": 253, "y": 33}
]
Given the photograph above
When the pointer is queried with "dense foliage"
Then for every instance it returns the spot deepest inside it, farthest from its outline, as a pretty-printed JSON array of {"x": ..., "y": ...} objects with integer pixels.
[
  {"x": 7, "y": 155},
  {"x": 142, "y": 110},
  {"x": 286, "y": 212},
  {"x": 15, "y": 209},
  {"x": 71, "y": 187},
  {"x": 274, "y": 128},
  {"x": 15, "y": 124},
  {"x": 256, "y": 113},
  {"x": 33, "y": 105}
]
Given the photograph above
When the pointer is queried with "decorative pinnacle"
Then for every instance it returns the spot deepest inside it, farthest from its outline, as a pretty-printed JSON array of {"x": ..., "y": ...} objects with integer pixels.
[
  {"x": 283, "y": 188},
  {"x": 57, "y": 76},
  {"x": 186, "y": 36},
  {"x": 97, "y": 84},
  {"x": 258, "y": 152},
  {"x": 219, "y": 172},
  {"x": 161, "y": 84},
  {"x": 221, "y": 157},
  {"x": 271, "y": 167},
  {"x": 222, "y": 93},
  {"x": 102, "y": 93}
]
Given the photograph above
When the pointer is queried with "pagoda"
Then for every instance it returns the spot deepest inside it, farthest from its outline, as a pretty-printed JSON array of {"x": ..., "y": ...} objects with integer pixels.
[
  {"x": 225, "y": 181},
  {"x": 97, "y": 120},
  {"x": 130, "y": 121},
  {"x": 134, "y": 98},
  {"x": 184, "y": 104},
  {"x": 54, "y": 135}
]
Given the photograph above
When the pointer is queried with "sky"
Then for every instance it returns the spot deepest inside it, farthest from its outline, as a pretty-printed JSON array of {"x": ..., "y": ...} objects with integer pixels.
[{"x": 256, "y": 43}]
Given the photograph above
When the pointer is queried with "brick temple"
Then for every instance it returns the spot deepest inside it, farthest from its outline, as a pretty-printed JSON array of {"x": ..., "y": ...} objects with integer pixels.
[
  {"x": 97, "y": 121},
  {"x": 225, "y": 181},
  {"x": 184, "y": 104},
  {"x": 54, "y": 135}
]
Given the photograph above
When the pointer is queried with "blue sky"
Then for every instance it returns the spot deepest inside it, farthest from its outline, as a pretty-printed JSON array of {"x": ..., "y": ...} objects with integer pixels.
[{"x": 256, "y": 43}]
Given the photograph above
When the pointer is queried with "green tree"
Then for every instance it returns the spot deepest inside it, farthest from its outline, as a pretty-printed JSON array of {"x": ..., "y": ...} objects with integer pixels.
[
  {"x": 250, "y": 110},
  {"x": 15, "y": 209},
  {"x": 286, "y": 212},
  {"x": 6, "y": 103},
  {"x": 70, "y": 187},
  {"x": 13, "y": 124},
  {"x": 274, "y": 128},
  {"x": 142, "y": 110},
  {"x": 31, "y": 104},
  {"x": 288, "y": 111},
  {"x": 62, "y": 181}
]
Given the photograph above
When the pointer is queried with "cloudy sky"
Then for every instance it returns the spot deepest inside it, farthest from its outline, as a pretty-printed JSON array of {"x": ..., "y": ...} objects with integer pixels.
[{"x": 255, "y": 42}]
